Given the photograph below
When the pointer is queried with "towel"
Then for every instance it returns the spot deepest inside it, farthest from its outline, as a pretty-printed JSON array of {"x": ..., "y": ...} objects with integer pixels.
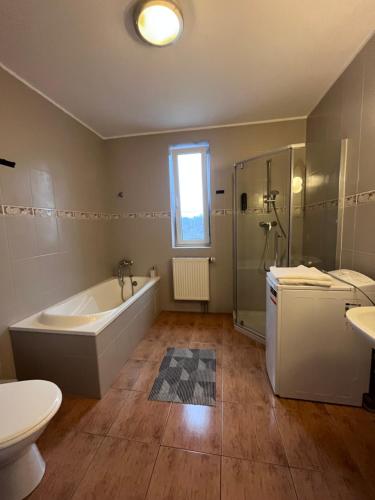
[
  {"x": 300, "y": 275},
  {"x": 304, "y": 281}
]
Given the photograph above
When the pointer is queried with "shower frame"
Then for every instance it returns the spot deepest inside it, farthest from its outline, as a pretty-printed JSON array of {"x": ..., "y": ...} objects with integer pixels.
[{"x": 240, "y": 165}]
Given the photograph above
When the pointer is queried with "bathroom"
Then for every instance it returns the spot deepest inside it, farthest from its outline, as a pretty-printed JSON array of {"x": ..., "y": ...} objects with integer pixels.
[{"x": 92, "y": 118}]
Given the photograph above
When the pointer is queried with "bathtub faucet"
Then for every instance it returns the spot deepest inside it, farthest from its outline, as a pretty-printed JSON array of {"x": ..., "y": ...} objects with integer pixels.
[
  {"x": 124, "y": 266},
  {"x": 126, "y": 263}
]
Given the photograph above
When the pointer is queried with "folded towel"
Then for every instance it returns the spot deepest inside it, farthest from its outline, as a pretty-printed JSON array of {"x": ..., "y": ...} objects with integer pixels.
[
  {"x": 302, "y": 281},
  {"x": 299, "y": 272},
  {"x": 300, "y": 275}
]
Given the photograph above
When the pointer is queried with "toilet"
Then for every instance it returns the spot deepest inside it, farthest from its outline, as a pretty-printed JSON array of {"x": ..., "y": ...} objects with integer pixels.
[{"x": 26, "y": 408}]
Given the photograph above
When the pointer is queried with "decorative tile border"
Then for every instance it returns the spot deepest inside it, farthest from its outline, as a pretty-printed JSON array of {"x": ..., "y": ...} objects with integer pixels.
[
  {"x": 220, "y": 212},
  {"x": 298, "y": 210},
  {"x": 321, "y": 204},
  {"x": 44, "y": 212},
  {"x": 65, "y": 214},
  {"x": 146, "y": 215},
  {"x": 360, "y": 198},
  {"x": 350, "y": 201},
  {"x": 367, "y": 197},
  {"x": 332, "y": 203},
  {"x": 252, "y": 211},
  {"x": 256, "y": 211},
  {"x": 14, "y": 210}
]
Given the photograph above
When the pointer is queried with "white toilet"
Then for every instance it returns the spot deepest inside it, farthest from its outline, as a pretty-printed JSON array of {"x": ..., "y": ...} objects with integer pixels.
[{"x": 25, "y": 411}]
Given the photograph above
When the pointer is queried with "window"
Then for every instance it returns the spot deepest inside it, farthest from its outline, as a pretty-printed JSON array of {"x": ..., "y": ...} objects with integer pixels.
[{"x": 190, "y": 194}]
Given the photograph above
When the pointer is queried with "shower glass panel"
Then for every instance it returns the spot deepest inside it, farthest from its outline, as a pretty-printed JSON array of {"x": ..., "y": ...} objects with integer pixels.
[{"x": 262, "y": 218}]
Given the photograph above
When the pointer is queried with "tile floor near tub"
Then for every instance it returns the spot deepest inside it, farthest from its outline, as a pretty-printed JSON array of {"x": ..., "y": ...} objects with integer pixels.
[{"x": 251, "y": 445}]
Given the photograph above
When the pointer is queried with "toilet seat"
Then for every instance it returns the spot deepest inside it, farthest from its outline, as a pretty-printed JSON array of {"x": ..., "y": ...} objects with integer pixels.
[{"x": 26, "y": 407}]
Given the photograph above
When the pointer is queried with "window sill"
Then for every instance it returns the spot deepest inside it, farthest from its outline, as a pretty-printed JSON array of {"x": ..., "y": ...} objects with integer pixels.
[{"x": 191, "y": 247}]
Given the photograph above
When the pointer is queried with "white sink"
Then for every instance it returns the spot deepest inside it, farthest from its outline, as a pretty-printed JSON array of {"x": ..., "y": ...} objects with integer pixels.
[{"x": 362, "y": 320}]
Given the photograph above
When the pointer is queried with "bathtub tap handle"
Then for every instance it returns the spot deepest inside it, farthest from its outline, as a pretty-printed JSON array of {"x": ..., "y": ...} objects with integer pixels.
[
  {"x": 126, "y": 262},
  {"x": 123, "y": 267}
]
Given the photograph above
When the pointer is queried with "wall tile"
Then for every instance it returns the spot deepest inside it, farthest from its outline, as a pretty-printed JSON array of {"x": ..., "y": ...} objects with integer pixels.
[
  {"x": 68, "y": 238},
  {"x": 366, "y": 164},
  {"x": 21, "y": 236},
  {"x": 332, "y": 105},
  {"x": 347, "y": 259},
  {"x": 67, "y": 194},
  {"x": 352, "y": 165},
  {"x": 364, "y": 263},
  {"x": 352, "y": 94},
  {"x": 37, "y": 283},
  {"x": 351, "y": 119},
  {"x": 316, "y": 131},
  {"x": 73, "y": 280},
  {"x": 8, "y": 315},
  {"x": 364, "y": 233},
  {"x": 15, "y": 186},
  {"x": 26, "y": 277},
  {"x": 42, "y": 189},
  {"x": 348, "y": 228},
  {"x": 47, "y": 235},
  {"x": 7, "y": 304},
  {"x": 6, "y": 284},
  {"x": 329, "y": 240},
  {"x": 50, "y": 272}
]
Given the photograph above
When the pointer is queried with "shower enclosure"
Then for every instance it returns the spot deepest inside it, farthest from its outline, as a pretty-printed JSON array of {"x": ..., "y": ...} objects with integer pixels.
[{"x": 268, "y": 217}]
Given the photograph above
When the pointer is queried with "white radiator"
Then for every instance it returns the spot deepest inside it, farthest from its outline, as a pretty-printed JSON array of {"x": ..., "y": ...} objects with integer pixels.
[{"x": 191, "y": 278}]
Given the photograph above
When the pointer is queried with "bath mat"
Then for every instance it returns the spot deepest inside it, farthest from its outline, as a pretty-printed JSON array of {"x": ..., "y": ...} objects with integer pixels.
[{"x": 186, "y": 376}]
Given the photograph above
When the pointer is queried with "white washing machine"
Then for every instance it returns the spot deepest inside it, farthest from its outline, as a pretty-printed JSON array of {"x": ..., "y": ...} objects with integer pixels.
[{"x": 312, "y": 353}]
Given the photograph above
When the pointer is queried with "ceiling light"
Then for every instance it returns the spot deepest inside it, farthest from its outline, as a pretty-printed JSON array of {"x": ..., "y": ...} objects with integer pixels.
[{"x": 158, "y": 22}]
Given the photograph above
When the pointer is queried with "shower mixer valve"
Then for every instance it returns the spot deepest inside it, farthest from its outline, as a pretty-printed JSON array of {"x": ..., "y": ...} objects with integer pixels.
[{"x": 267, "y": 226}]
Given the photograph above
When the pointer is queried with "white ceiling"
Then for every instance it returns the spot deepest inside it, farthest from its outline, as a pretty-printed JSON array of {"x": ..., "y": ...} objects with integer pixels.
[{"x": 237, "y": 61}]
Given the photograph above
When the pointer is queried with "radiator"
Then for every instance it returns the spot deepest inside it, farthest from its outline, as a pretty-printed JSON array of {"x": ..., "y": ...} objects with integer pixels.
[{"x": 191, "y": 278}]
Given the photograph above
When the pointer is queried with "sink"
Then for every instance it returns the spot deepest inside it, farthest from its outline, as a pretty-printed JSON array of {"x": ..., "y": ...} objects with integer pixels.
[{"x": 362, "y": 320}]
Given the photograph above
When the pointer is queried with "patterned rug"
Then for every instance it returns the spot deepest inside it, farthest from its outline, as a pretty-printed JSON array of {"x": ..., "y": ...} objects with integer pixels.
[{"x": 186, "y": 376}]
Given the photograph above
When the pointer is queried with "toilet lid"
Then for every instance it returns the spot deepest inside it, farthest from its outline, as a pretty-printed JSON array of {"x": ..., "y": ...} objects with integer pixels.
[{"x": 26, "y": 406}]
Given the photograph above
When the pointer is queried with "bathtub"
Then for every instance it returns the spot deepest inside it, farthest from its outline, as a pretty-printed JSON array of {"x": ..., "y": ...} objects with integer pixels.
[{"x": 82, "y": 342}]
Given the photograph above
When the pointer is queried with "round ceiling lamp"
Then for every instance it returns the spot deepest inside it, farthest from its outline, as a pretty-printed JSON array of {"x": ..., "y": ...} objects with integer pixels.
[{"x": 158, "y": 22}]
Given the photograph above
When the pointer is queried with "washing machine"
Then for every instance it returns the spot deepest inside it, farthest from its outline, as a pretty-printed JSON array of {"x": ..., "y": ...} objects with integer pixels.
[{"x": 312, "y": 353}]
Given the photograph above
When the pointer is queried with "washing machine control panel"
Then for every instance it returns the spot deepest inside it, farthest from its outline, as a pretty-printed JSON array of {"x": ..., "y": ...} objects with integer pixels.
[{"x": 357, "y": 279}]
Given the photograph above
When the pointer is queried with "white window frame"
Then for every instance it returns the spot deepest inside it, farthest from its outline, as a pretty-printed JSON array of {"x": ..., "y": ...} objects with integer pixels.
[{"x": 174, "y": 151}]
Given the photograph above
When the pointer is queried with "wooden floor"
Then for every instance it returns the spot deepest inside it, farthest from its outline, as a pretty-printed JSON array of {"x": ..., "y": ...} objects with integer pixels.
[{"x": 251, "y": 445}]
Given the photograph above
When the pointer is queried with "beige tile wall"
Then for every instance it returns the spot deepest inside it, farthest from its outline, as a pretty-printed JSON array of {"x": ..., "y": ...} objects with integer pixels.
[
  {"x": 346, "y": 111},
  {"x": 60, "y": 165}
]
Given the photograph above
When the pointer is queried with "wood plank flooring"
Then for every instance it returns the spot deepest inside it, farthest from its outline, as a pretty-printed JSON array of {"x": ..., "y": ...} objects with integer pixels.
[{"x": 251, "y": 445}]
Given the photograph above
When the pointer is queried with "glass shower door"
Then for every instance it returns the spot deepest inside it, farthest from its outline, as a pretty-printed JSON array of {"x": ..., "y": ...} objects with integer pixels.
[{"x": 262, "y": 194}]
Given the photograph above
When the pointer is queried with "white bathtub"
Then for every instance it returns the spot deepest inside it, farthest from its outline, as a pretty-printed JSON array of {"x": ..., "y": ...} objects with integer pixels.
[
  {"x": 82, "y": 343},
  {"x": 90, "y": 311}
]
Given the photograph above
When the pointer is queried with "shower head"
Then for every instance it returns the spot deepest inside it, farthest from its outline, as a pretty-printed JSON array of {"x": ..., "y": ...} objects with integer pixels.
[{"x": 270, "y": 198}]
